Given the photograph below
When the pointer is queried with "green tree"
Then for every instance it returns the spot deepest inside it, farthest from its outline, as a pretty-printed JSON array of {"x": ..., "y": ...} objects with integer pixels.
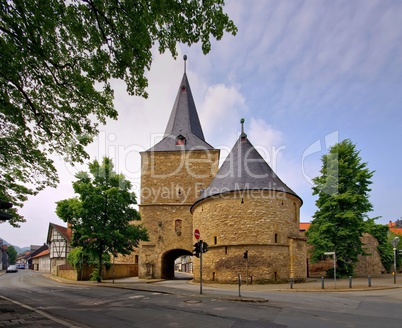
[
  {"x": 102, "y": 214},
  {"x": 57, "y": 60},
  {"x": 343, "y": 204},
  {"x": 12, "y": 254}
]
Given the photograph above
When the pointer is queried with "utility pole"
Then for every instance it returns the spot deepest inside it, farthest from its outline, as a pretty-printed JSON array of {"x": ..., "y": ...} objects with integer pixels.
[
  {"x": 395, "y": 243},
  {"x": 200, "y": 245},
  {"x": 245, "y": 255}
]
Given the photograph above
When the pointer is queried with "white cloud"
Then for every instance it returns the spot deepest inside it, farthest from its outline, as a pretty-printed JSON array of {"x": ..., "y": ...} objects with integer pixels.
[{"x": 220, "y": 111}]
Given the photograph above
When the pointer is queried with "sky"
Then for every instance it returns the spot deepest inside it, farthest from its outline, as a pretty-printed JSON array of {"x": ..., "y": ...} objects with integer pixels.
[{"x": 303, "y": 74}]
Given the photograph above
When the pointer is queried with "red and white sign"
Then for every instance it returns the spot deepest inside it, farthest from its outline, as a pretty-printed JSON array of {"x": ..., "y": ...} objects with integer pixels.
[{"x": 197, "y": 234}]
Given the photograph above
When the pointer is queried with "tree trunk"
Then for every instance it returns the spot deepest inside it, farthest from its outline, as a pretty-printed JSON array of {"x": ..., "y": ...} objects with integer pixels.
[{"x": 99, "y": 278}]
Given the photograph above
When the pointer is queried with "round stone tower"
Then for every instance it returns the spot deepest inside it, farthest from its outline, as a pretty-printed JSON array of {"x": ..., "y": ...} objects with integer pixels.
[{"x": 250, "y": 220}]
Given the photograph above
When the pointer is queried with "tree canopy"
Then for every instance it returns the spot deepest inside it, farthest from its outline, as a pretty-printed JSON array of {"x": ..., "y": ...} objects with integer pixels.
[
  {"x": 343, "y": 203},
  {"x": 12, "y": 254},
  {"x": 57, "y": 60},
  {"x": 102, "y": 215}
]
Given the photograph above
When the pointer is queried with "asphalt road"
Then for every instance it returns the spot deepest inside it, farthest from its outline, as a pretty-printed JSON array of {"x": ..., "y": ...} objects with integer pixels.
[{"x": 178, "y": 304}]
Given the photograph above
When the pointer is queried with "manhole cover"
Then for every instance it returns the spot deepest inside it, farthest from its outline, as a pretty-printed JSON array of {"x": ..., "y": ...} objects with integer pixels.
[{"x": 192, "y": 302}]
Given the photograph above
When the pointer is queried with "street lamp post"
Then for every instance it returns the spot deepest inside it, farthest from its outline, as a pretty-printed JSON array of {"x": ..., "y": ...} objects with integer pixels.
[
  {"x": 333, "y": 253},
  {"x": 395, "y": 243}
]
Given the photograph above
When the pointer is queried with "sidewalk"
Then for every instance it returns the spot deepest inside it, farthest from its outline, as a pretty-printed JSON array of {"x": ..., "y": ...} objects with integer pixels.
[{"x": 379, "y": 282}]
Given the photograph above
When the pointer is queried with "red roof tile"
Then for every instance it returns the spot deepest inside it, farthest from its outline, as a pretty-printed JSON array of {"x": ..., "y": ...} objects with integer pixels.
[
  {"x": 304, "y": 226},
  {"x": 64, "y": 231},
  {"x": 43, "y": 253}
]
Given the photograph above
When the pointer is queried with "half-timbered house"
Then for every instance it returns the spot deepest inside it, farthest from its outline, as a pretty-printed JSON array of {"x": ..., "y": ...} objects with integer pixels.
[{"x": 59, "y": 242}]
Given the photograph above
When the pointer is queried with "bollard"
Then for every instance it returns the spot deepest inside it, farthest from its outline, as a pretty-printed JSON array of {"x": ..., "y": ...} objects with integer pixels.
[
  {"x": 239, "y": 281},
  {"x": 291, "y": 283},
  {"x": 369, "y": 281},
  {"x": 251, "y": 280},
  {"x": 350, "y": 281},
  {"x": 322, "y": 282}
]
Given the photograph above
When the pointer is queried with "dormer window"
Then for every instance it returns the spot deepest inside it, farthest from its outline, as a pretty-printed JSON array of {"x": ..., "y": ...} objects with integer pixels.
[
  {"x": 243, "y": 137},
  {"x": 180, "y": 141}
]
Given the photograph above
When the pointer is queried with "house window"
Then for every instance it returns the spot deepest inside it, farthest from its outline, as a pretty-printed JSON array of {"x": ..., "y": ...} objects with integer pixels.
[
  {"x": 215, "y": 240},
  {"x": 276, "y": 238}
]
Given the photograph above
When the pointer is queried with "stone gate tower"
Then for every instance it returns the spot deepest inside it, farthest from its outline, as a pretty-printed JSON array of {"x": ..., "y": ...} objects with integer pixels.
[
  {"x": 248, "y": 209},
  {"x": 173, "y": 172}
]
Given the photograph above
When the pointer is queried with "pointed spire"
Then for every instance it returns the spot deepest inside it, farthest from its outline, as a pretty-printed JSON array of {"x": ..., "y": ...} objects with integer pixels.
[
  {"x": 244, "y": 169},
  {"x": 243, "y": 136},
  {"x": 183, "y": 122}
]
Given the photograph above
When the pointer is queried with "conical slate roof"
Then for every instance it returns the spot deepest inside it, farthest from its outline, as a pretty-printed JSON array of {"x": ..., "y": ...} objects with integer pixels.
[
  {"x": 244, "y": 169},
  {"x": 183, "y": 123}
]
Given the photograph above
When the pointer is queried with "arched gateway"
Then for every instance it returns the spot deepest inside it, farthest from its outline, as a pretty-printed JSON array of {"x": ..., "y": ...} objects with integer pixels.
[{"x": 168, "y": 259}]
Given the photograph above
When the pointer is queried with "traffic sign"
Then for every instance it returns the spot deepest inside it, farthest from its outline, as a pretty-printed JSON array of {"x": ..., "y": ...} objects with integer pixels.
[{"x": 197, "y": 234}]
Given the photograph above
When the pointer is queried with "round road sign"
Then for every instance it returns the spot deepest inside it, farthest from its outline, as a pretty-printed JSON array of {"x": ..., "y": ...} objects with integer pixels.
[{"x": 197, "y": 234}]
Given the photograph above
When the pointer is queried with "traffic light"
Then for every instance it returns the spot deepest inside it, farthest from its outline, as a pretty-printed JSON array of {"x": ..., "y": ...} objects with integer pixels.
[
  {"x": 245, "y": 255},
  {"x": 4, "y": 206},
  {"x": 196, "y": 250},
  {"x": 205, "y": 247}
]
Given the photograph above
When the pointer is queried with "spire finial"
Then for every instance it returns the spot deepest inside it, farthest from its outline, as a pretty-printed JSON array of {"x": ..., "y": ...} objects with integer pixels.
[
  {"x": 185, "y": 60},
  {"x": 242, "y": 125}
]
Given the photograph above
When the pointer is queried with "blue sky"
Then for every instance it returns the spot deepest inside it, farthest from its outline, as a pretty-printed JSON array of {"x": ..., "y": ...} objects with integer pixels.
[{"x": 303, "y": 74}]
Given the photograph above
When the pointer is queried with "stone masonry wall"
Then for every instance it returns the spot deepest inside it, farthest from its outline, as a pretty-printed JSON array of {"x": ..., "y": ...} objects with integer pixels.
[
  {"x": 371, "y": 264},
  {"x": 170, "y": 184},
  {"x": 265, "y": 223},
  {"x": 176, "y": 177}
]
